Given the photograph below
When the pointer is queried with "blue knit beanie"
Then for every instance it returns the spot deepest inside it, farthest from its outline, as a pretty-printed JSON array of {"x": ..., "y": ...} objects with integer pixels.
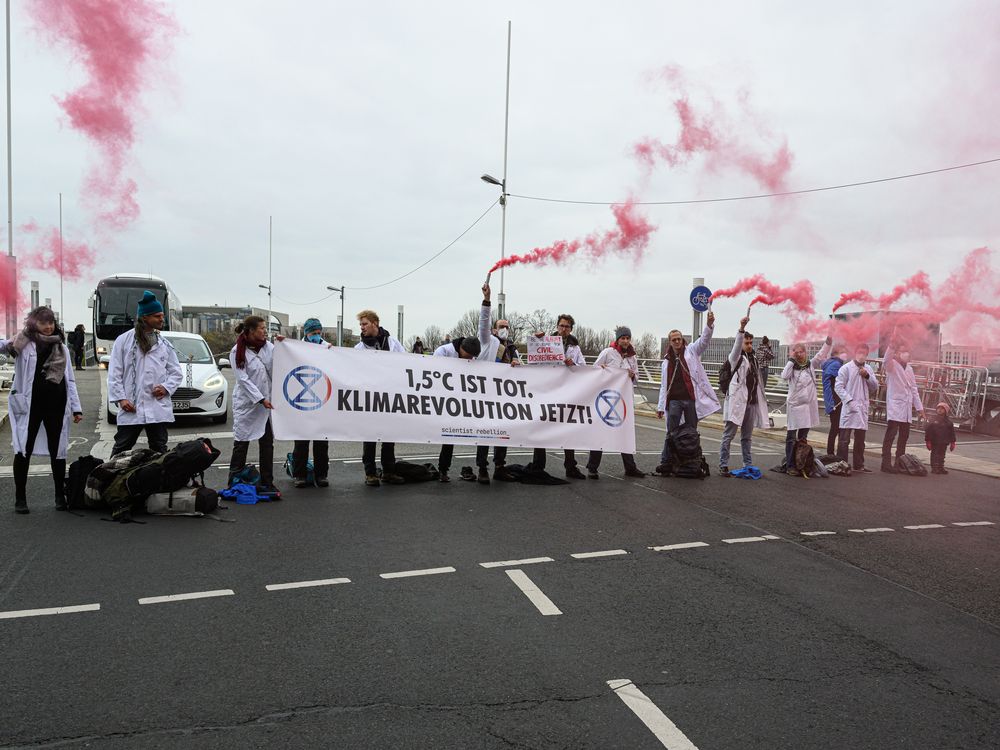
[
  {"x": 148, "y": 305},
  {"x": 312, "y": 325}
]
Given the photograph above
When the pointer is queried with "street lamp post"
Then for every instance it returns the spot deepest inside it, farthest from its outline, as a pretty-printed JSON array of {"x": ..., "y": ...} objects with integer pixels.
[
  {"x": 268, "y": 288},
  {"x": 340, "y": 322}
]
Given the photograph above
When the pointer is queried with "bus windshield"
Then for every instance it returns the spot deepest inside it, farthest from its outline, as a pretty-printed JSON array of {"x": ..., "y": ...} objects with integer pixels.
[
  {"x": 191, "y": 350},
  {"x": 115, "y": 308}
]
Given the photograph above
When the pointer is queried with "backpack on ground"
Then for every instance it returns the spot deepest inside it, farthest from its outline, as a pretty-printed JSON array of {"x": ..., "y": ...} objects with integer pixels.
[
  {"x": 803, "y": 457},
  {"x": 725, "y": 376},
  {"x": 838, "y": 469},
  {"x": 247, "y": 475},
  {"x": 819, "y": 470},
  {"x": 290, "y": 468},
  {"x": 910, "y": 464},
  {"x": 687, "y": 459},
  {"x": 190, "y": 501},
  {"x": 414, "y": 473},
  {"x": 76, "y": 481},
  {"x": 691, "y": 468},
  {"x": 187, "y": 462}
]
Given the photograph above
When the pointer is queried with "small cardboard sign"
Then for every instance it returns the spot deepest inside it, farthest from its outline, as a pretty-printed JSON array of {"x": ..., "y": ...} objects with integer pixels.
[{"x": 546, "y": 350}]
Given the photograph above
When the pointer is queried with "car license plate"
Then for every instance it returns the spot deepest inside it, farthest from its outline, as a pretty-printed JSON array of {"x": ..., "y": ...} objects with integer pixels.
[{"x": 182, "y": 405}]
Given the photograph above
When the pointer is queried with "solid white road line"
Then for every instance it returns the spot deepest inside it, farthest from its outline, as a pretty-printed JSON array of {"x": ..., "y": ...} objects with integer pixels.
[
  {"x": 871, "y": 531},
  {"x": 973, "y": 523},
  {"x": 512, "y": 563},
  {"x": 683, "y": 545},
  {"x": 534, "y": 594},
  {"x": 306, "y": 584},
  {"x": 411, "y": 573},
  {"x": 655, "y": 720},
  {"x": 745, "y": 539},
  {"x": 816, "y": 533},
  {"x": 50, "y": 611},
  {"x": 605, "y": 553},
  {"x": 926, "y": 526},
  {"x": 185, "y": 597}
]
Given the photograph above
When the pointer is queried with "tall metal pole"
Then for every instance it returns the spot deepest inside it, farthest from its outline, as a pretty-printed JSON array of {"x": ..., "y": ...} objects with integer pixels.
[
  {"x": 62, "y": 315},
  {"x": 340, "y": 328},
  {"x": 270, "y": 237},
  {"x": 502, "y": 300},
  {"x": 11, "y": 313}
]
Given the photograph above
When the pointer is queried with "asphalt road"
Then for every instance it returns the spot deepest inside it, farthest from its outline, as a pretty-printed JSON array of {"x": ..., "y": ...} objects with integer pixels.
[{"x": 872, "y": 636}]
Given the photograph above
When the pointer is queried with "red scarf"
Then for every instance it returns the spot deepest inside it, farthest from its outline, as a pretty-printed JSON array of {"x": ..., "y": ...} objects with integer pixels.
[
  {"x": 242, "y": 343},
  {"x": 630, "y": 352}
]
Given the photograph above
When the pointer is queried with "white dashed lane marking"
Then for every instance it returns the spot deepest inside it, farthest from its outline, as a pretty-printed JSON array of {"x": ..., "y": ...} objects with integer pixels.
[
  {"x": 542, "y": 603},
  {"x": 877, "y": 530},
  {"x": 655, "y": 720},
  {"x": 50, "y": 611},
  {"x": 604, "y": 553},
  {"x": 746, "y": 539},
  {"x": 414, "y": 573},
  {"x": 185, "y": 597},
  {"x": 926, "y": 526},
  {"x": 817, "y": 533},
  {"x": 682, "y": 545},
  {"x": 973, "y": 523},
  {"x": 515, "y": 563},
  {"x": 306, "y": 584}
]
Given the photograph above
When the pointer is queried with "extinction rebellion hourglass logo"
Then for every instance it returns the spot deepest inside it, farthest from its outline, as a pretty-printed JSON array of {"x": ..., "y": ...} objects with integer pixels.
[
  {"x": 307, "y": 388},
  {"x": 611, "y": 408}
]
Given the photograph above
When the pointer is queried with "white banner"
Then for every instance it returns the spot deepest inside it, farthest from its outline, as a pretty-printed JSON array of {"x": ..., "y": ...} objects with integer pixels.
[
  {"x": 546, "y": 350},
  {"x": 347, "y": 394}
]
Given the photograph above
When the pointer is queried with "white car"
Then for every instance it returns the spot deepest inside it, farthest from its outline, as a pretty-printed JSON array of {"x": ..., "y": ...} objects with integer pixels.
[{"x": 204, "y": 390}]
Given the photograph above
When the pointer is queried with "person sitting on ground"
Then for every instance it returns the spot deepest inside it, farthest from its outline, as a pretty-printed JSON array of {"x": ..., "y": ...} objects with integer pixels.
[
  {"x": 939, "y": 435},
  {"x": 746, "y": 405},
  {"x": 801, "y": 404},
  {"x": 855, "y": 385},
  {"x": 685, "y": 391},
  {"x": 374, "y": 338},
  {"x": 620, "y": 355}
]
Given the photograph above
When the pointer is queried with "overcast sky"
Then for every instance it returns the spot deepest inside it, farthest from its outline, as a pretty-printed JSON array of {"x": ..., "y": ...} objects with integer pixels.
[{"x": 363, "y": 129}]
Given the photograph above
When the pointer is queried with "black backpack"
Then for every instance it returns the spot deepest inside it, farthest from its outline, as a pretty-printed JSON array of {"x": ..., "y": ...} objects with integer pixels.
[
  {"x": 187, "y": 461},
  {"x": 910, "y": 464},
  {"x": 685, "y": 443},
  {"x": 725, "y": 375},
  {"x": 414, "y": 473},
  {"x": 76, "y": 481},
  {"x": 804, "y": 457}
]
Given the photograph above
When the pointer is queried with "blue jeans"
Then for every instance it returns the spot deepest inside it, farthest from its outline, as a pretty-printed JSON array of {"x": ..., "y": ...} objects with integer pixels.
[
  {"x": 746, "y": 438},
  {"x": 790, "y": 437},
  {"x": 675, "y": 409}
]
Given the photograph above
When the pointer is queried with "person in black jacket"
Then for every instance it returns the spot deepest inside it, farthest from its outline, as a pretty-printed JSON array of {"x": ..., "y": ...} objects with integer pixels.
[
  {"x": 76, "y": 341},
  {"x": 939, "y": 435}
]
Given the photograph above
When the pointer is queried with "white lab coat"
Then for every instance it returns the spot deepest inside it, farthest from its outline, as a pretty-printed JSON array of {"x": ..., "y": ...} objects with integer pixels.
[
  {"x": 132, "y": 375},
  {"x": 253, "y": 384},
  {"x": 705, "y": 400},
  {"x": 19, "y": 403},
  {"x": 736, "y": 400},
  {"x": 802, "y": 403},
  {"x": 613, "y": 358},
  {"x": 901, "y": 393},
  {"x": 394, "y": 346},
  {"x": 856, "y": 393}
]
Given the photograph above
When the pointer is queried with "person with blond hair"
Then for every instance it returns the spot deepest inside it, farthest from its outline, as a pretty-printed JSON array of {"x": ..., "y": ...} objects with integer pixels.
[{"x": 374, "y": 338}]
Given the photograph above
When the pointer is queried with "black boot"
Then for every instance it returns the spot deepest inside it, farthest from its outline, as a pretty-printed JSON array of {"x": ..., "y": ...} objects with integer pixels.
[
  {"x": 20, "y": 484},
  {"x": 59, "y": 479}
]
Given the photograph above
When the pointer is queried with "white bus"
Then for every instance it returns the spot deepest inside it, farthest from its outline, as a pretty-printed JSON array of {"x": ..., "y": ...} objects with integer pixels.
[{"x": 115, "y": 301}]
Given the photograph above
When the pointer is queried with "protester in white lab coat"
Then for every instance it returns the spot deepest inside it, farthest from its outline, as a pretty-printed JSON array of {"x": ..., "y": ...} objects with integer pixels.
[
  {"x": 746, "y": 404},
  {"x": 573, "y": 357},
  {"x": 855, "y": 385},
  {"x": 142, "y": 375},
  {"x": 620, "y": 355},
  {"x": 463, "y": 347},
  {"x": 685, "y": 392},
  {"x": 312, "y": 331},
  {"x": 42, "y": 400},
  {"x": 374, "y": 338},
  {"x": 902, "y": 398},
  {"x": 252, "y": 358},
  {"x": 499, "y": 347},
  {"x": 802, "y": 402}
]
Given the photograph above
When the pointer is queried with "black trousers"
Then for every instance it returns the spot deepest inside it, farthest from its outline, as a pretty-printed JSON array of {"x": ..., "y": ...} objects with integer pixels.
[
  {"x": 832, "y": 449},
  {"x": 483, "y": 456},
  {"x": 445, "y": 457},
  {"x": 321, "y": 459},
  {"x": 78, "y": 357},
  {"x": 937, "y": 455},
  {"x": 594, "y": 460},
  {"x": 858, "y": 456},
  {"x": 128, "y": 434},
  {"x": 265, "y": 451},
  {"x": 388, "y": 457},
  {"x": 891, "y": 430},
  {"x": 47, "y": 412},
  {"x": 538, "y": 458}
]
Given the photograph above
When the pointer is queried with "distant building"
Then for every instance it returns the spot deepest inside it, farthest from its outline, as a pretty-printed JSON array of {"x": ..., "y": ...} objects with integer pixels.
[
  {"x": 972, "y": 356},
  {"x": 719, "y": 348},
  {"x": 201, "y": 320}
]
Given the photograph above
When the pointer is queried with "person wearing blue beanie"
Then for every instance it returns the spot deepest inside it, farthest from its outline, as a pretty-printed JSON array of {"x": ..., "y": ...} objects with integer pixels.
[
  {"x": 312, "y": 330},
  {"x": 142, "y": 375}
]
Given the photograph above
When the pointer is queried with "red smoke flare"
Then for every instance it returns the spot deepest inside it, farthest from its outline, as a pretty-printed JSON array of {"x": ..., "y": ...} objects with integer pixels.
[
  {"x": 919, "y": 283},
  {"x": 800, "y": 296},
  {"x": 717, "y": 135},
  {"x": 631, "y": 237}
]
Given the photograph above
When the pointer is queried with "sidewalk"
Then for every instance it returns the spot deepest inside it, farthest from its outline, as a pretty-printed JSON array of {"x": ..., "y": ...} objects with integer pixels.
[{"x": 989, "y": 467}]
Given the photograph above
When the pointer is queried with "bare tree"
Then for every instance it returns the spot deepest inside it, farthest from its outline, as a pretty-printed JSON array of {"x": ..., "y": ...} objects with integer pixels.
[
  {"x": 432, "y": 337},
  {"x": 647, "y": 347},
  {"x": 540, "y": 320},
  {"x": 408, "y": 344},
  {"x": 467, "y": 325}
]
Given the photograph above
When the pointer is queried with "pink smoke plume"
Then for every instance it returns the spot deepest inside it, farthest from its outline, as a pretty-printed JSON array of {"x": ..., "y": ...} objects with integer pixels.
[
  {"x": 800, "y": 296},
  {"x": 726, "y": 141},
  {"x": 919, "y": 283},
  {"x": 118, "y": 45},
  {"x": 630, "y": 237}
]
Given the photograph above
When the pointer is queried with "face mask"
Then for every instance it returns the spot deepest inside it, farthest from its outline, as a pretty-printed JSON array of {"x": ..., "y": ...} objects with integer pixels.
[
  {"x": 315, "y": 338},
  {"x": 502, "y": 333},
  {"x": 842, "y": 357},
  {"x": 904, "y": 358}
]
